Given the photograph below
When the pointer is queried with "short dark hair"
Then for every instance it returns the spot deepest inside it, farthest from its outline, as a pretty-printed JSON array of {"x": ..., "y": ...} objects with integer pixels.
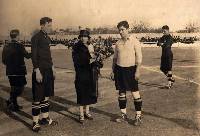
[
  {"x": 45, "y": 20},
  {"x": 166, "y": 27},
  {"x": 14, "y": 33},
  {"x": 124, "y": 24}
]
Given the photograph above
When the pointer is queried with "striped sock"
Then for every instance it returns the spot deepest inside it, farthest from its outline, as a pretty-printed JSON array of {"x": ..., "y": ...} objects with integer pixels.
[
  {"x": 138, "y": 105},
  {"x": 45, "y": 109},
  {"x": 35, "y": 112}
]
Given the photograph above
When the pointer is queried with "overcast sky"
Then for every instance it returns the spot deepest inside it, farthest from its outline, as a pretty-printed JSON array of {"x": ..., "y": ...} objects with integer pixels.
[{"x": 25, "y": 14}]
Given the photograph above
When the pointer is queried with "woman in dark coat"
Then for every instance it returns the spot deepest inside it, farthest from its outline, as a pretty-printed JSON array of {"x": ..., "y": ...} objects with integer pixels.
[{"x": 87, "y": 68}]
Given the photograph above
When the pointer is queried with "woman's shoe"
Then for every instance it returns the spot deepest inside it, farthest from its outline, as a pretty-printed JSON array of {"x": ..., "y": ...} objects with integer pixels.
[
  {"x": 88, "y": 116},
  {"x": 81, "y": 119}
]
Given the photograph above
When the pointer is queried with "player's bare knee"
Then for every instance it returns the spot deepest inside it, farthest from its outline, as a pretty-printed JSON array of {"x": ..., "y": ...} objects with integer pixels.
[
  {"x": 36, "y": 103},
  {"x": 136, "y": 94},
  {"x": 46, "y": 98}
]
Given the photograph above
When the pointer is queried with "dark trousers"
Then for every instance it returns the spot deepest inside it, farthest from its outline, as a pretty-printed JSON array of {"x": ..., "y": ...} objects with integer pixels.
[
  {"x": 14, "y": 93},
  {"x": 17, "y": 84}
]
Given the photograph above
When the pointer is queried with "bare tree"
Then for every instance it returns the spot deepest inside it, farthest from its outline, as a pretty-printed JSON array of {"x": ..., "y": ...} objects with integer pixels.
[{"x": 192, "y": 27}]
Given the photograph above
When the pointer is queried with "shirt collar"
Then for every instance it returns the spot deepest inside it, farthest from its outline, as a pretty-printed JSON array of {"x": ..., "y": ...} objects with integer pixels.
[
  {"x": 128, "y": 38},
  {"x": 14, "y": 41},
  {"x": 44, "y": 32},
  {"x": 124, "y": 42}
]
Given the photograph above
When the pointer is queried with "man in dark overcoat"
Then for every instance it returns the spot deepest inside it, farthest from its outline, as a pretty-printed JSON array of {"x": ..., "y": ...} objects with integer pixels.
[{"x": 13, "y": 58}]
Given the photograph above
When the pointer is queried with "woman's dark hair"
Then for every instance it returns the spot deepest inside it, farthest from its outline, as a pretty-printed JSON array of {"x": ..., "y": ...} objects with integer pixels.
[{"x": 166, "y": 27}]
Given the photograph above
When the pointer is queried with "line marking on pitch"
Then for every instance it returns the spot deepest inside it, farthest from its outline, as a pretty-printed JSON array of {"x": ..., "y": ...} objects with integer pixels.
[
  {"x": 183, "y": 66},
  {"x": 145, "y": 67},
  {"x": 178, "y": 77}
]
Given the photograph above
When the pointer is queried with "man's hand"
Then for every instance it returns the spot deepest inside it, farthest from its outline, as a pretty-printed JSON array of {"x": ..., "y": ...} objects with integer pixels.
[
  {"x": 112, "y": 76},
  {"x": 160, "y": 44},
  {"x": 137, "y": 75},
  {"x": 38, "y": 75},
  {"x": 92, "y": 60}
]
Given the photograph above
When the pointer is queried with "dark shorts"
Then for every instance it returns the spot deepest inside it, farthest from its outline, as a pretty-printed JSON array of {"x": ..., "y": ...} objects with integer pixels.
[
  {"x": 44, "y": 89},
  {"x": 125, "y": 79},
  {"x": 166, "y": 63},
  {"x": 18, "y": 81}
]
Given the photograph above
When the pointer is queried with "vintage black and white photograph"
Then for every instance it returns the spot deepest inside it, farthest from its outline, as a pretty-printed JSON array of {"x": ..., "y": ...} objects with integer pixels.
[{"x": 99, "y": 68}]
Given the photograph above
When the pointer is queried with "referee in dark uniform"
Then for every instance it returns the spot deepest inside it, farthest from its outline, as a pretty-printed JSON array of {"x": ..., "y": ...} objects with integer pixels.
[
  {"x": 13, "y": 57},
  {"x": 43, "y": 75},
  {"x": 166, "y": 42}
]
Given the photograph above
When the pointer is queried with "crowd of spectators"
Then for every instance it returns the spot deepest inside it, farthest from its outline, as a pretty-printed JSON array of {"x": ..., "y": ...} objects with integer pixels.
[{"x": 104, "y": 46}]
